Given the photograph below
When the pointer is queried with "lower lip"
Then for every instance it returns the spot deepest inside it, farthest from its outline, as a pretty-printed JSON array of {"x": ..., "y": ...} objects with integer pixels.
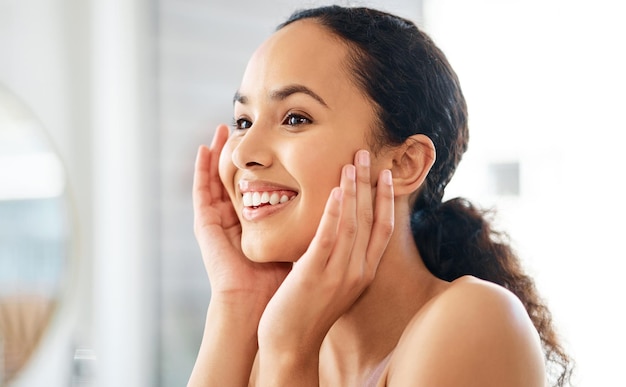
[{"x": 254, "y": 214}]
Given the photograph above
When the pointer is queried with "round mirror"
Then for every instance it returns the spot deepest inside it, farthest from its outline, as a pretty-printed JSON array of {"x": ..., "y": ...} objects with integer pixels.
[{"x": 34, "y": 234}]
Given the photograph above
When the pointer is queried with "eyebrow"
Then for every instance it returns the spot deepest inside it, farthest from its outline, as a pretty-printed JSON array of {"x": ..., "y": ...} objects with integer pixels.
[{"x": 283, "y": 93}]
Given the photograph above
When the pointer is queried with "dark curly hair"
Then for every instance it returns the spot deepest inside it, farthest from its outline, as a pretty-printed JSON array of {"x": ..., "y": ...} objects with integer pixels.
[{"x": 415, "y": 90}]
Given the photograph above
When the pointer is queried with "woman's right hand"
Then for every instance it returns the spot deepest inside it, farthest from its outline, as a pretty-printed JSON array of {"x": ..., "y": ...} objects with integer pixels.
[
  {"x": 218, "y": 232},
  {"x": 240, "y": 288}
]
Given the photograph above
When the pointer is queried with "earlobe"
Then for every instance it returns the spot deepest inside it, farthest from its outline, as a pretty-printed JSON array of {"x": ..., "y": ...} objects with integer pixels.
[{"x": 411, "y": 164}]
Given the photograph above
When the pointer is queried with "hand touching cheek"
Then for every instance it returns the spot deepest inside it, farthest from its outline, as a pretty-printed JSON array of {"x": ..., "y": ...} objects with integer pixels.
[{"x": 339, "y": 264}]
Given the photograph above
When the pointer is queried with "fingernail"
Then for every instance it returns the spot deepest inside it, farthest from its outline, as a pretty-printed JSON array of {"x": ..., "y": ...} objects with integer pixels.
[
  {"x": 364, "y": 158},
  {"x": 387, "y": 177},
  {"x": 350, "y": 172}
]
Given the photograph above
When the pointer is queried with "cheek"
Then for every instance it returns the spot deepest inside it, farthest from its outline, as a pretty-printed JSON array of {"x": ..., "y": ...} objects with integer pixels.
[
  {"x": 317, "y": 168},
  {"x": 317, "y": 172}
]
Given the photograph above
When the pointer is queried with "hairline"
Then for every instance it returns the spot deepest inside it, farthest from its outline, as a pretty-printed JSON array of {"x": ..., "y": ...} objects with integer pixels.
[{"x": 375, "y": 137}]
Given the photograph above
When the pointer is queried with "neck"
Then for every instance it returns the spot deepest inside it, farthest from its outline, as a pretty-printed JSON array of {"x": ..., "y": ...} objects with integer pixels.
[{"x": 371, "y": 328}]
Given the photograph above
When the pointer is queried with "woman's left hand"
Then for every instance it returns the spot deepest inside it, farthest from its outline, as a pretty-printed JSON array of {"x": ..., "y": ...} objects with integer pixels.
[{"x": 339, "y": 264}]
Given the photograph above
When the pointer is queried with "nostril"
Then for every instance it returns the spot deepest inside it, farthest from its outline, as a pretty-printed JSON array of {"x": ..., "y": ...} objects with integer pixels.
[{"x": 251, "y": 152}]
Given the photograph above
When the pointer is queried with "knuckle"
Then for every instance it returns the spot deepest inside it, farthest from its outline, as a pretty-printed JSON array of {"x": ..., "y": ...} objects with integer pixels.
[
  {"x": 364, "y": 177},
  {"x": 360, "y": 278},
  {"x": 326, "y": 241},
  {"x": 351, "y": 193},
  {"x": 368, "y": 276},
  {"x": 351, "y": 283},
  {"x": 367, "y": 217},
  {"x": 350, "y": 226},
  {"x": 386, "y": 228}
]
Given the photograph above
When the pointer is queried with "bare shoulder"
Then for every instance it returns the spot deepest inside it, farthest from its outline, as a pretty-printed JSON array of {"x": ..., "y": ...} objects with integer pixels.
[{"x": 473, "y": 333}]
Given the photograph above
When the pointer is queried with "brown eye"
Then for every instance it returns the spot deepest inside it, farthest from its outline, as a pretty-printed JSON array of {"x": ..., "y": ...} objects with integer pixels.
[
  {"x": 242, "y": 123},
  {"x": 296, "y": 120}
]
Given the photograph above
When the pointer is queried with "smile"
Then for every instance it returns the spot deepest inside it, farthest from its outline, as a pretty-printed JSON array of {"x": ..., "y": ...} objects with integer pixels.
[
  {"x": 258, "y": 199},
  {"x": 258, "y": 205}
]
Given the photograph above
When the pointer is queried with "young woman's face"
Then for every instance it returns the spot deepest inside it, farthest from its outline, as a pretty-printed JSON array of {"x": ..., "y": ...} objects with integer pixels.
[{"x": 298, "y": 119}]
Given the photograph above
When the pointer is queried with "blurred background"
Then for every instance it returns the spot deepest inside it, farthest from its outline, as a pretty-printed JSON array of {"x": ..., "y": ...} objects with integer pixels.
[{"x": 105, "y": 102}]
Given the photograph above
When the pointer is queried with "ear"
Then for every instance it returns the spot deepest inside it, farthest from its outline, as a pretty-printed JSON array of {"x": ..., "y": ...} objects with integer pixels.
[{"x": 411, "y": 163}]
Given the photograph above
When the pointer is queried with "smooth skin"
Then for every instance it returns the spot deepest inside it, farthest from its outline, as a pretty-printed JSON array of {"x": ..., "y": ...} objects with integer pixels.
[{"x": 359, "y": 297}]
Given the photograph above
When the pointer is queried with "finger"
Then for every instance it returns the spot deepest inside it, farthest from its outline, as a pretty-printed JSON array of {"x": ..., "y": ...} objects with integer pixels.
[
  {"x": 325, "y": 238},
  {"x": 206, "y": 184},
  {"x": 348, "y": 223},
  {"x": 382, "y": 228},
  {"x": 364, "y": 207},
  {"x": 201, "y": 178},
  {"x": 219, "y": 140}
]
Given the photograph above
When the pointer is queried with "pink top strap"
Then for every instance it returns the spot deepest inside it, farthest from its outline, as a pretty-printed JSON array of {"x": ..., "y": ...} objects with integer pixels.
[{"x": 372, "y": 381}]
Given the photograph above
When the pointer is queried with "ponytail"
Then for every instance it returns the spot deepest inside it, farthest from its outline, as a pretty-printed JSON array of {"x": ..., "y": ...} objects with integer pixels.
[{"x": 455, "y": 238}]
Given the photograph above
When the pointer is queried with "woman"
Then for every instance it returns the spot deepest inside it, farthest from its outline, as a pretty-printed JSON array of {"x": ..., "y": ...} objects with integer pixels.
[{"x": 348, "y": 125}]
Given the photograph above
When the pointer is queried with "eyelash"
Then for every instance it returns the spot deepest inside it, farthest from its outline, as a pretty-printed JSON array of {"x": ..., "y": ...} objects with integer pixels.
[
  {"x": 243, "y": 123},
  {"x": 299, "y": 117},
  {"x": 237, "y": 123}
]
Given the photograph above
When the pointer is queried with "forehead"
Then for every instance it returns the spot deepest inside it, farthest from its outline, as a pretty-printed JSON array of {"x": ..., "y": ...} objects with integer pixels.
[{"x": 303, "y": 52}]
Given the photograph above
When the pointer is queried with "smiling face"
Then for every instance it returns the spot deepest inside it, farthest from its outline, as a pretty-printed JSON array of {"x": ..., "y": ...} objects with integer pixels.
[{"x": 298, "y": 119}]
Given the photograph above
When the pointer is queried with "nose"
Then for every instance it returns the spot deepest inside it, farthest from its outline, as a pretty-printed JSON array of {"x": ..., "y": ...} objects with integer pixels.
[{"x": 253, "y": 149}]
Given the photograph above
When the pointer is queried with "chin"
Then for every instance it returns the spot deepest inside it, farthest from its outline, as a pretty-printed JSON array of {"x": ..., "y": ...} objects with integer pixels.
[{"x": 267, "y": 252}]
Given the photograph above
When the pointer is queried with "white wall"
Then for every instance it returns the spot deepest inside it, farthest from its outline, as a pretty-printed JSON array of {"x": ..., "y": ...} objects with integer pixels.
[
  {"x": 545, "y": 86},
  {"x": 125, "y": 161}
]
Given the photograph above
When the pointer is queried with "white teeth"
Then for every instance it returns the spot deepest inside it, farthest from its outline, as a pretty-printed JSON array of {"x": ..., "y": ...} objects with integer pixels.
[
  {"x": 254, "y": 199},
  {"x": 274, "y": 199},
  {"x": 247, "y": 199},
  {"x": 265, "y": 197}
]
